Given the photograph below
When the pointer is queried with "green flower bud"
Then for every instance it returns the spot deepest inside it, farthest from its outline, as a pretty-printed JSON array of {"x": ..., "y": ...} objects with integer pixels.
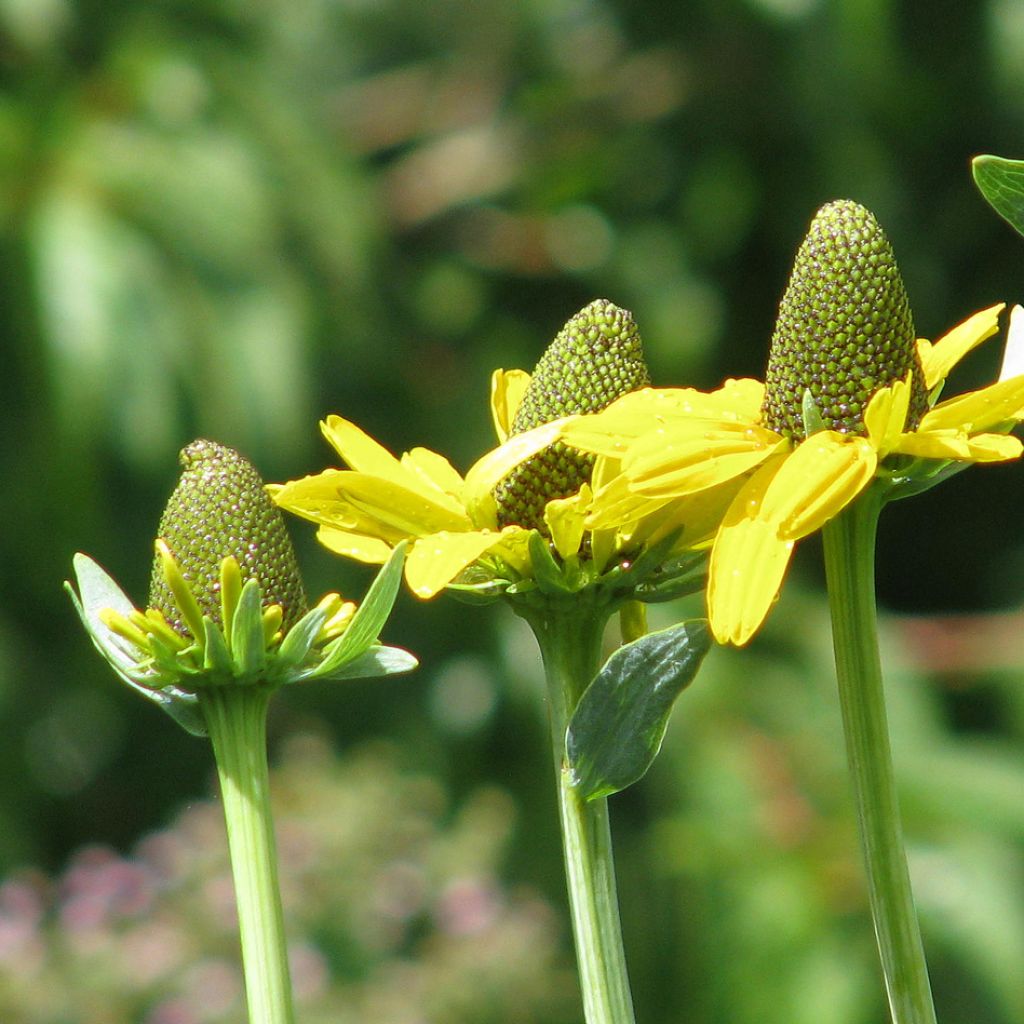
[
  {"x": 220, "y": 508},
  {"x": 595, "y": 358},
  {"x": 844, "y": 328}
]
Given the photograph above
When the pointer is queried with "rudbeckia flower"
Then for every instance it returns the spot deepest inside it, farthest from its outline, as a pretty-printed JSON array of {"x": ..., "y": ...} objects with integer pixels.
[
  {"x": 475, "y": 531},
  {"x": 227, "y": 607},
  {"x": 850, "y": 400}
]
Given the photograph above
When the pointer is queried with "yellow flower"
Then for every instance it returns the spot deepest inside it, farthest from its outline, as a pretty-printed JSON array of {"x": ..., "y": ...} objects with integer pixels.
[
  {"x": 676, "y": 444},
  {"x": 451, "y": 522}
]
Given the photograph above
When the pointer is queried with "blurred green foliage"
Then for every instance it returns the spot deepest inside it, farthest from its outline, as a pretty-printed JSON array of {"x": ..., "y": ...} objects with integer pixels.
[{"x": 230, "y": 219}]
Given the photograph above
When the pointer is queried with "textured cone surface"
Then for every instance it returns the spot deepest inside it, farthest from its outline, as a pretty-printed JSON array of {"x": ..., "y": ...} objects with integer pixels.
[
  {"x": 595, "y": 358},
  {"x": 220, "y": 508},
  {"x": 844, "y": 328}
]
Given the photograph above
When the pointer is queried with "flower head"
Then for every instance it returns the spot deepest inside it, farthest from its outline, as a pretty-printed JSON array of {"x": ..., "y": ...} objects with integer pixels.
[
  {"x": 522, "y": 505},
  {"x": 227, "y": 604},
  {"x": 850, "y": 402}
]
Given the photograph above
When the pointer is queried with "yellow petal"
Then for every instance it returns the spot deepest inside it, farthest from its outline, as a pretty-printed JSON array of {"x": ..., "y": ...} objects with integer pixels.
[
  {"x": 979, "y": 411},
  {"x": 435, "y": 471},
  {"x": 819, "y": 479},
  {"x": 939, "y": 359},
  {"x": 414, "y": 513},
  {"x": 1013, "y": 351},
  {"x": 359, "y": 546},
  {"x": 565, "y": 518},
  {"x": 694, "y": 454},
  {"x": 886, "y": 415},
  {"x": 357, "y": 448},
  {"x": 956, "y": 445},
  {"x": 507, "y": 390},
  {"x": 609, "y": 432},
  {"x": 485, "y": 474},
  {"x": 748, "y": 564},
  {"x": 435, "y": 561}
]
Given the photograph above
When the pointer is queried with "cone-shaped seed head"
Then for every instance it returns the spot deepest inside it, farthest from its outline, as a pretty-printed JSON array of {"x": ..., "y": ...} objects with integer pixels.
[
  {"x": 844, "y": 328},
  {"x": 595, "y": 358},
  {"x": 220, "y": 508}
]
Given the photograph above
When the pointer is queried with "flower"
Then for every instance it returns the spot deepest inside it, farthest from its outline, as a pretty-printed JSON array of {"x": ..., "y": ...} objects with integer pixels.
[
  {"x": 481, "y": 530},
  {"x": 850, "y": 399},
  {"x": 227, "y": 605}
]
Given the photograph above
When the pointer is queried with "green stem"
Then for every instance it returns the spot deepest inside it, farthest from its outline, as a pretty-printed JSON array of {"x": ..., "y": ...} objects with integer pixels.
[
  {"x": 849, "y": 542},
  {"x": 236, "y": 717},
  {"x": 570, "y": 643}
]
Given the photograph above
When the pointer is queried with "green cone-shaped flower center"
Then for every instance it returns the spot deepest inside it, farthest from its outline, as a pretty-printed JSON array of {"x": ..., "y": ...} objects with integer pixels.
[
  {"x": 595, "y": 358},
  {"x": 220, "y": 508},
  {"x": 844, "y": 328}
]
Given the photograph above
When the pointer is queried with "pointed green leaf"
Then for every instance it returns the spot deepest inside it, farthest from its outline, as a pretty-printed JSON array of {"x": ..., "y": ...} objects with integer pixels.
[
  {"x": 546, "y": 571},
  {"x": 1001, "y": 182},
  {"x": 377, "y": 661},
  {"x": 370, "y": 616},
  {"x": 248, "y": 648},
  {"x": 300, "y": 638},
  {"x": 617, "y": 728},
  {"x": 216, "y": 655}
]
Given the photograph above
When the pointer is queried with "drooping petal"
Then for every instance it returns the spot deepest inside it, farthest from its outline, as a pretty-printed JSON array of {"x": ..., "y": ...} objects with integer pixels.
[
  {"x": 693, "y": 454},
  {"x": 959, "y": 446},
  {"x": 486, "y": 472},
  {"x": 1013, "y": 352},
  {"x": 436, "y": 560},
  {"x": 978, "y": 411},
  {"x": 415, "y": 511},
  {"x": 748, "y": 563},
  {"x": 938, "y": 359},
  {"x": 816, "y": 482},
  {"x": 359, "y": 546},
  {"x": 565, "y": 518},
  {"x": 886, "y": 416},
  {"x": 507, "y": 390},
  {"x": 609, "y": 432}
]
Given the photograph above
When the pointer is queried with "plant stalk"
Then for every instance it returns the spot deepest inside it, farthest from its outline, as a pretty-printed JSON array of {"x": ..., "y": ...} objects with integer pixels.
[
  {"x": 236, "y": 717},
  {"x": 849, "y": 543},
  {"x": 570, "y": 643}
]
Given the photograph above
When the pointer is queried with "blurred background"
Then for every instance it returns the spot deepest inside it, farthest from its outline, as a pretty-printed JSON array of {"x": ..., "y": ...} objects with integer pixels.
[{"x": 229, "y": 219}]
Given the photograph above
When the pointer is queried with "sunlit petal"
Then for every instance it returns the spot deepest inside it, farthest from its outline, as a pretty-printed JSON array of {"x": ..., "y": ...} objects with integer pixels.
[
  {"x": 565, "y": 518},
  {"x": 436, "y": 472},
  {"x": 959, "y": 446},
  {"x": 938, "y": 359},
  {"x": 886, "y": 415},
  {"x": 978, "y": 411},
  {"x": 487, "y": 472},
  {"x": 354, "y": 545},
  {"x": 507, "y": 390},
  {"x": 748, "y": 563},
  {"x": 1013, "y": 352},
  {"x": 436, "y": 560},
  {"x": 822, "y": 476},
  {"x": 698, "y": 454},
  {"x": 416, "y": 512},
  {"x": 357, "y": 448}
]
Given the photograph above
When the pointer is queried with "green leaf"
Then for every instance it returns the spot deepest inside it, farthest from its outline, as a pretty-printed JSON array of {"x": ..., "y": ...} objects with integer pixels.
[
  {"x": 377, "y": 661},
  {"x": 546, "y": 571},
  {"x": 1001, "y": 182},
  {"x": 617, "y": 728},
  {"x": 248, "y": 649},
  {"x": 369, "y": 618}
]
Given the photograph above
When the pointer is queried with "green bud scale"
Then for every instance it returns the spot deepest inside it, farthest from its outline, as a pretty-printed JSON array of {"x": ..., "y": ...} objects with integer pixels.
[
  {"x": 595, "y": 358},
  {"x": 220, "y": 508},
  {"x": 844, "y": 328}
]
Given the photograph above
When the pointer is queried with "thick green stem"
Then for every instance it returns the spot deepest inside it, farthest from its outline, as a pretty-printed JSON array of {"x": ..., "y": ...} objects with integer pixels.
[
  {"x": 849, "y": 541},
  {"x": 236, "y": 717},
  {"x": 570, "y": 645}
]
